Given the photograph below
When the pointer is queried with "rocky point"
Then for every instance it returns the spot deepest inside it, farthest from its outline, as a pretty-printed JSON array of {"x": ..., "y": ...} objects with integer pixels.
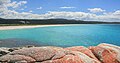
[{"x": 103, "y": 53}]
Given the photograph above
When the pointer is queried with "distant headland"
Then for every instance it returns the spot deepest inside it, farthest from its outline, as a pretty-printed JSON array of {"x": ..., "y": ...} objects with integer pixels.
[{"x": 50, "y": 21}]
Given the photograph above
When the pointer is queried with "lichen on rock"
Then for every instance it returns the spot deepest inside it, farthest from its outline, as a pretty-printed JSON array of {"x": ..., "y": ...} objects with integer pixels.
[{"x": 103, "y": 53}]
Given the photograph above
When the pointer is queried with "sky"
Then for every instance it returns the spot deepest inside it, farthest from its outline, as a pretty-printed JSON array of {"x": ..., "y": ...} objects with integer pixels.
[{"x": 88, "y": 10}]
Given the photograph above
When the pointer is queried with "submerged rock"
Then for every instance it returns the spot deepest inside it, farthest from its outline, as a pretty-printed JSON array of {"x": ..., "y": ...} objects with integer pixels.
[{"x": 103, "y": 53}]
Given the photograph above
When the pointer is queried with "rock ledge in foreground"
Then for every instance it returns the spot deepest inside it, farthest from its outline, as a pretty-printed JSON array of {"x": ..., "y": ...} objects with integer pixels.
[{"x": 103, "y": 53}]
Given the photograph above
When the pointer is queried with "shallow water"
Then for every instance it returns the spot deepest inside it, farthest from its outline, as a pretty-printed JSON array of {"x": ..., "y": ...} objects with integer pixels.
[{"x": 74, "y": 35}]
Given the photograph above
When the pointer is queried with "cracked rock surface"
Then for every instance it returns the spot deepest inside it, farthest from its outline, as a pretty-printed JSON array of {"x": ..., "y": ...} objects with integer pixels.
[{"x": 103, "y": 53}]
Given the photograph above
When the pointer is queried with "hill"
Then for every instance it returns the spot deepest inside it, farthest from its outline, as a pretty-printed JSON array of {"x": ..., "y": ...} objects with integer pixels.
[{"x": 51, "y": 21}]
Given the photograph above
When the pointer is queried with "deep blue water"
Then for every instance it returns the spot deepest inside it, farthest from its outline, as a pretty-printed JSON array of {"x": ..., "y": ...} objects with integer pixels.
[{"x": 74, "y": 35}]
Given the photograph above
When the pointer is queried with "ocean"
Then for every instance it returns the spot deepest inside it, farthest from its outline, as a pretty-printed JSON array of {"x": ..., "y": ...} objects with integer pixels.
[{"x": 63, "y": 36}]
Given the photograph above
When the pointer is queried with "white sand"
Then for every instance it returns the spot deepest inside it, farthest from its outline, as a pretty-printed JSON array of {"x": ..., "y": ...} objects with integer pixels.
[{"x": 22, "y": 27}]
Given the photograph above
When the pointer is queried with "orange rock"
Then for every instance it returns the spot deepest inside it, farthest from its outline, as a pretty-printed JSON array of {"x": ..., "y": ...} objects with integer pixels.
[
  {"x": 83, "y": 50},
  {"x": 73, "y": 57},
  {"x": 35, "y": 53},
  {"x": 16, "y": 58},
  {"x": 107, "y": 53},
  {"x": 103, "y": 53},
  {"x": 47, "y": 55}
]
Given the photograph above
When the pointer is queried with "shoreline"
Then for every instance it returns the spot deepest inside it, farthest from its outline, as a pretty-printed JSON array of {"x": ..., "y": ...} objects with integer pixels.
[
  {"x": 30, "y": 26},
  {"x": 33, "y": 26}
]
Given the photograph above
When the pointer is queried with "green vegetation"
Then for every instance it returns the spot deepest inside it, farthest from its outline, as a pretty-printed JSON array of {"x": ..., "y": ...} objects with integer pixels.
[{"x": 20, "y": 22}]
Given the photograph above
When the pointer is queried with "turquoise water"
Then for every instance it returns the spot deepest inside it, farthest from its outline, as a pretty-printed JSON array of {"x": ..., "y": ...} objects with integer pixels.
[{"x": 74, "y": 35}]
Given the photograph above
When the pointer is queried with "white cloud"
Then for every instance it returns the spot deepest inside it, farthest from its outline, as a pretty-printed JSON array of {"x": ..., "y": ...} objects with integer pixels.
[
  {"x": 5, "y": 12},
  {"x": 69, "y": 15},
  {"x": 25, "y": 7},
  {"x": 96, "y": 10},
  {"x": 66, "y": 7},
  {"x": 30, "y": 11},
  {"x": 39, "y": 8},
  {"x": 63, "y": 14},
  {"x": 117, "y": 12},
  {"x": 15, "y": 4},
  {"x": 4, "y": 1},
  {"x": 22, "y": 9},
  {"x": 6, "y": 4}
]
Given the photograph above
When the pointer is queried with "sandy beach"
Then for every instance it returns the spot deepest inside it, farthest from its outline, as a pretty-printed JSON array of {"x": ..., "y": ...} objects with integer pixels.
[{"x": 28, "y": 26}]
